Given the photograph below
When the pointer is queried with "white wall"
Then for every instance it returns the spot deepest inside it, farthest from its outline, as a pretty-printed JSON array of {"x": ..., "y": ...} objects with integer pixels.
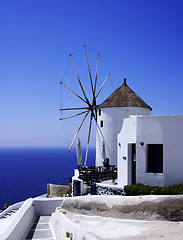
[
  {"x": 46, "y": 206},
  {"x": 166, "y": 130},
  {"x": 19, "y": 224},
  {"x": 127, "y": 135},
  {"x": 112, "y": 123},
  {"x": 61, "y": 224}
]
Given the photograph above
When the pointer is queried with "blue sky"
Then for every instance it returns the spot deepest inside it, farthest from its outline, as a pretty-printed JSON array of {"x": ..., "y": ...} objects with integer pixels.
[{"x": 141, "y": 40}]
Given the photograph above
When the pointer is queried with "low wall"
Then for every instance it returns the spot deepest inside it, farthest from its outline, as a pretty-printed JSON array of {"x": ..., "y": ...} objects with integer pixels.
[
  {"x": 17, "y": 226},
  {"x": 46, "y": 206},
  {"x": 129, "y": 207},
  {"x": 10, "y": 208},
  {"x": 64, "y": 228},
  {"x": 105, "y": 189}
]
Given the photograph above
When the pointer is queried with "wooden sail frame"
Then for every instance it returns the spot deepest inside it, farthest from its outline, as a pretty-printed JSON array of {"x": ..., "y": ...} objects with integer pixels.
[{"x": 91, "y": 106}]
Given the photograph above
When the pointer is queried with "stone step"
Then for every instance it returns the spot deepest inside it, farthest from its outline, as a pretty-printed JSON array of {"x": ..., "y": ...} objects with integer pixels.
[
  {"x": 40, "y": 226},
  {"x": 40, "y": 230},
  {"x": 40, "y": 234},
  {"x": 44, "y": 219}
]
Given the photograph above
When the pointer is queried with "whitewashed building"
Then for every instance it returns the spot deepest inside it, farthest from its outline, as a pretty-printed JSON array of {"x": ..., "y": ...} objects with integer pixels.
[
  {"x": 146, "y": 149},
  {"x": 150, "y": 150},
  {"x": 121, "y": 104}
]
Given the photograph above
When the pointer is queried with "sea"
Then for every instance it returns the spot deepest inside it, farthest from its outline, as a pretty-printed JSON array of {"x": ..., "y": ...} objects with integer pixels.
[{"x": 25, "y": 172}]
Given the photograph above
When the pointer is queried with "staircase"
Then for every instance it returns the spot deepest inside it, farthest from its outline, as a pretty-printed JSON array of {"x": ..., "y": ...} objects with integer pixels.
[
  {"x": 41, "y": 229},
  {"x": 10, "y": 213}
]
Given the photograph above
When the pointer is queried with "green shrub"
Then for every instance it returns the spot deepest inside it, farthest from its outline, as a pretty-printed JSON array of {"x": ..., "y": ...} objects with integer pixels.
[
  {"x": 156, "y": 190},
  {"x": 137, "y": 189},
  {"x": 141, "y": 189}
]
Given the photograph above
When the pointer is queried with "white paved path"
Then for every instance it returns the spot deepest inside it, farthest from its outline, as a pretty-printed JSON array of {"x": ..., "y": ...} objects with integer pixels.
[{"x": 41, "y": 229}]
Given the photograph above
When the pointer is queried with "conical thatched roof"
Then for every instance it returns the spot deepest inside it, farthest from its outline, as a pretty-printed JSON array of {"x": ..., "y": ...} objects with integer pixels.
[{"x": 124, "y": 97}]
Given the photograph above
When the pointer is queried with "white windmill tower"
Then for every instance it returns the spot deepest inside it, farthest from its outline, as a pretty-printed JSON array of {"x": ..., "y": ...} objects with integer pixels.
[{"x": 122, "y": 103}]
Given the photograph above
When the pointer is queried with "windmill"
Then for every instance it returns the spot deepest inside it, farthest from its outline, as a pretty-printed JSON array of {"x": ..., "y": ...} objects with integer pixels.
[{"x": 90, "y": 108}]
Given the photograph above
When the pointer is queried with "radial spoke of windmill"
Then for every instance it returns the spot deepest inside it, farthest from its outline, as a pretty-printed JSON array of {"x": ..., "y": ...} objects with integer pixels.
[
  {"x": 95, "y": 84},
  {"x": 65, "y": 109},
  {"x": 79, "y": 79},
  {"x": 78, "y": 130},
  {"x": 89, "y": 70},
  {"x": 102, "y": 85},
  {"x": 86, "y": 156},
  {"x": 73, "y": 92},
  {"x": 73, "y": 115},
  {"x": 96, "y": 75}
]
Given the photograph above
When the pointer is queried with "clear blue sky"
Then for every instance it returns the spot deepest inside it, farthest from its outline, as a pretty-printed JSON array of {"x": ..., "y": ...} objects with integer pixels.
[{"x": 141, "y": 40}]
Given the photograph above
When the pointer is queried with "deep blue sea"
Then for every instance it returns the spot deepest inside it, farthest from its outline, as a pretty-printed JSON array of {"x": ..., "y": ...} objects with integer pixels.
[{"x": 25, "y": 173}]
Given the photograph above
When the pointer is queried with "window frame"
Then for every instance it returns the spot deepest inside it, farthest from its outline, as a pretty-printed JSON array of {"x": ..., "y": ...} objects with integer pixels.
[
  {"x": 101, "y": 123},
  {"x": 154, "y": 158}
]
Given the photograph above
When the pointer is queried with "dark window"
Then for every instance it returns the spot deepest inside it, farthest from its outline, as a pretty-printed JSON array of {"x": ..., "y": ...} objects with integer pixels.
[
  {"x": 155, "y": 158},
  {"x": 99, "y": 112},
  {"x": 101, "y": 124}
]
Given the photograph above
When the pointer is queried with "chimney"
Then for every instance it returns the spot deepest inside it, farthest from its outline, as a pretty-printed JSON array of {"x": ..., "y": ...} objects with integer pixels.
[{"x": 125, "y": 81}]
